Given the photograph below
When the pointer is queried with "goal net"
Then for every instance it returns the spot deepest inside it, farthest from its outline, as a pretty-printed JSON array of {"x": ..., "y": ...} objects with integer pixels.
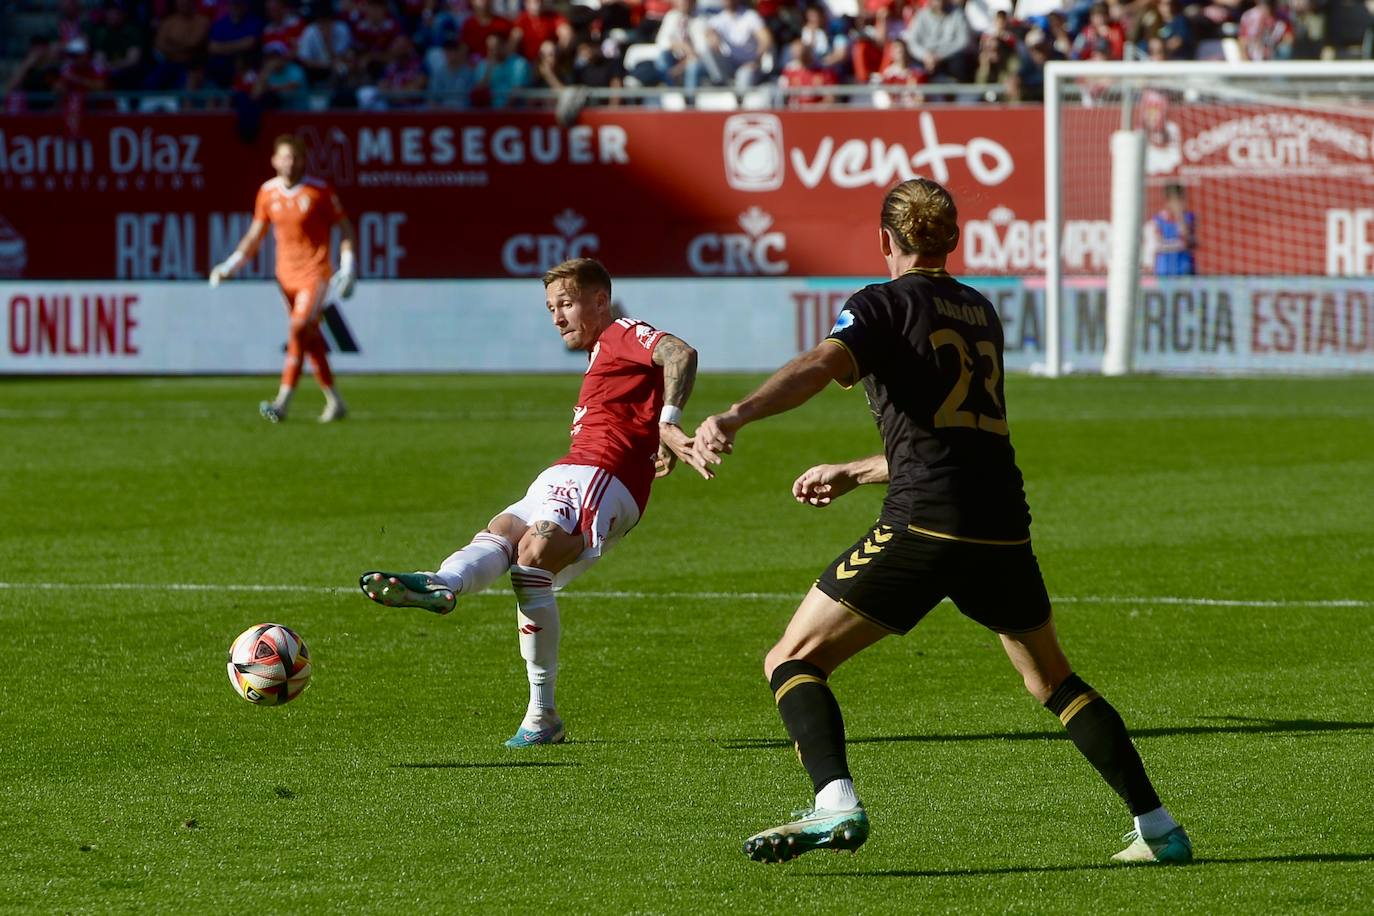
[{"x": 1240, "y": 236}]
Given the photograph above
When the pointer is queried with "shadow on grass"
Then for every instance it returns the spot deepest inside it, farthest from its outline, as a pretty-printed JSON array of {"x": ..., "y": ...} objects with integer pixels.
[
  {"x": 1297, "y": 859},
  {"x": 483, "y": 765},
  {"x": 1226, "y": 725}
]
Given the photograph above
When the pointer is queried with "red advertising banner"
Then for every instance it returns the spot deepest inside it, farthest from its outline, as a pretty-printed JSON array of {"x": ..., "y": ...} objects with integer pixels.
[
  {"x": 1274, "y": 191},
  {"x": 509, "y": 194}
]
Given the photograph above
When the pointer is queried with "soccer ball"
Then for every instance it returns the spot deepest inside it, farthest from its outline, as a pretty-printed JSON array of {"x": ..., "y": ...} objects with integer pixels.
[{"x": 269, "y": 665}]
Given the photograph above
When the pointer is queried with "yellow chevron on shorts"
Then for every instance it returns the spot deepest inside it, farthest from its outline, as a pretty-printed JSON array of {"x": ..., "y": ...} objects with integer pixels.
[
  {"x": 880, "y": 537},
  {"x": 1083, "y": 699},
  {"x": 844, "y": 572},
  {"x": 870, "y": 547},
  {"x": 856, "y": 560}
]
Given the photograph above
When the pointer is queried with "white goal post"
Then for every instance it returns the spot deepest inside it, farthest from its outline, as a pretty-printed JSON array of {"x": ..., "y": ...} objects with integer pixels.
[{"x": 1244, "y": 240}]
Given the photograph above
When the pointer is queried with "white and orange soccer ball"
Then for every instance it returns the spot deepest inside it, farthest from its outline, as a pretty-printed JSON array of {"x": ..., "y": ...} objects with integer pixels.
[{"x": 269, "y": 664}]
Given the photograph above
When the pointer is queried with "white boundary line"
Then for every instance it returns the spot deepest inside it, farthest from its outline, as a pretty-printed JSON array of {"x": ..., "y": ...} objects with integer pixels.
[{"x": 739, "y": 596}]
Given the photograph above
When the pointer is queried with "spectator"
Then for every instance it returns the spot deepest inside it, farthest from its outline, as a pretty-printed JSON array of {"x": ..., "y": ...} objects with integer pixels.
[
  {"x": 118, "y": 43},
  {"x": 71, "y": 23},
  {"x": 982, "y": 14},
  {"x": 437, "y": 25},
  {"x": 80, "y": 73},
  {"x": 591, "y": 67},
  {"x": 373, "y": 36},
  {"x": 280, "y": 82},
  {"x": 1026, "y": 83},
  {"x": 500, "y": 72},
  {"x": 1057, "y": 34},
  {"x": 233, "y": 37},
  {"x": 553, "y": 70},
  {"x": 404, "y": 78},
  {"x": 677, "y": 40},
  {"x": 36, "y": 75},
  {"x": 1100, "y": 28},
  {"x": 537, "y": 24},
  {"x": 655, "y": 11},
  {"x": 282, "y": 25},
  {"x": 1149, "y": 23},
  {"x": 803, "y": 70},
  {"x": 481, "y": 25},
  {"x": 736, "y": 41},
  {"x": 939, "y": 40},
  {"x": 452, "y": 76},
  {"x": 827, "y": 50},
  {"x": 901, "y": 71},
  {"x": 1177, "y": 31},
  {"x": 998, "y": 53},
  {"x": 1309, "y": 30},
  {"x": 1263, "y": 33},
  {"x": 326, "y": 45},
  {"x": 180, "y": 48},
  {"x": 1174, "y": 231}
]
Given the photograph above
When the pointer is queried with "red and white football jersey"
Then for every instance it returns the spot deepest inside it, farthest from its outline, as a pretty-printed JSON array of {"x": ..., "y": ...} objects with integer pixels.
[{"x": 615, "y": 422}]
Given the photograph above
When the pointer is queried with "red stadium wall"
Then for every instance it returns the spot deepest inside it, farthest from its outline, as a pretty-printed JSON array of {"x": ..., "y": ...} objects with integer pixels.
[{"x": 791, "y": 193}]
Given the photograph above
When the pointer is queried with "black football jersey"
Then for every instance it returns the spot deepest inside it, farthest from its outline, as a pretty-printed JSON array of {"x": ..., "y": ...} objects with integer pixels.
[{"x": 929, "y": 352}]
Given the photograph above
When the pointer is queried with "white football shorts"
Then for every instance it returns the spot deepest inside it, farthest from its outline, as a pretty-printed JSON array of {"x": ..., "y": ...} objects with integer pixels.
[{"x": 579, "y": 497}]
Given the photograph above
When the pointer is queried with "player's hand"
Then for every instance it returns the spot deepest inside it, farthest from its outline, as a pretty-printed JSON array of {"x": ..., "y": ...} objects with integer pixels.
[
  {"x": 714, "y": 439},
  {"x": 342, "y": 283},
  {"x": 823, "y": 484},
  {"x": 673, "y": 444}
]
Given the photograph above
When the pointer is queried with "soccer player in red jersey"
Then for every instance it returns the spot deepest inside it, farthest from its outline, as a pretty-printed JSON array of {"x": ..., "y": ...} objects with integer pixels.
[
  {"x": 303, "y": 211},
  {"x": 625, "y": 432}
]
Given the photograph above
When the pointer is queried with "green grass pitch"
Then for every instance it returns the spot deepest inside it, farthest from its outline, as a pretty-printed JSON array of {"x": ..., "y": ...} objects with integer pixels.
[{"x": 1209, "y": 544}]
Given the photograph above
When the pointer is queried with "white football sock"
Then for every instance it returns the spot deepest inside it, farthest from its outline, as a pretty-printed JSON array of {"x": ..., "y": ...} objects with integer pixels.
[
  {"x": 331, "y": 397},
  {"x": 477, "y": 565},
  {"x": 537, "y": 618},
  {"x": 1155, "y": 823},
  {"x": 283, "y": 399},
  {"x": 837, "y": 795}
]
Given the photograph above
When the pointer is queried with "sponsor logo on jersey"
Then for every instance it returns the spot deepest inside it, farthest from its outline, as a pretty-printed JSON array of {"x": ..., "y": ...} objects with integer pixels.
[
  {"x": 844, "y": 320},
  {"x": 754, "y": 251},
  {"x": 646, "y": 335},
  {"x": 529, "y": 254}
]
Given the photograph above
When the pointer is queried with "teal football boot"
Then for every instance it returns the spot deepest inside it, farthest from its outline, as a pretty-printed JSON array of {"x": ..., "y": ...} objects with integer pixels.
[
  {"x": 813, "y": 829},
  {"x": 417, "y": 589},
  {"x": 1174, "y": 848}
]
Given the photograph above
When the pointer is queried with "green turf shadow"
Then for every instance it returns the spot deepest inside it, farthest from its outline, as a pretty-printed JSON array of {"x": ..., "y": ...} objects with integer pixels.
[
  {"x": 485, "y": 765},
  {"x": 1243, "y": 725},
  {"x": 1319, "y": 857}
]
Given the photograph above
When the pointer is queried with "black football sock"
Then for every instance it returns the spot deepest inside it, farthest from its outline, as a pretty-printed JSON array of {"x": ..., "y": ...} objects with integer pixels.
[
  {"x": 1098, "y": 732},
  {"x": 813, "y": 719}
]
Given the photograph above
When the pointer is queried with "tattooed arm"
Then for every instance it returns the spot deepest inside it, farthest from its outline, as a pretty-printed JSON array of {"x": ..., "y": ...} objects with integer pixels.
[{"x": 679, "y": 362}]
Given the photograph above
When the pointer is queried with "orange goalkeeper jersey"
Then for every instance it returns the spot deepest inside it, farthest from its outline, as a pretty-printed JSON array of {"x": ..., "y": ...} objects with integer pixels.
[{"x": 301, "y": 218}]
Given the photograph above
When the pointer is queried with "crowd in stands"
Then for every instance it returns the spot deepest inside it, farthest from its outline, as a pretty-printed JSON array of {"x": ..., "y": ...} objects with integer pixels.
[{"x": 476, "y": 53}]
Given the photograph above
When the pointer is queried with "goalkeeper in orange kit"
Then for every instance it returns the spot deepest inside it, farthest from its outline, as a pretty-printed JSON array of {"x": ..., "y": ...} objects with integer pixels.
[{"x": 303, "y": 212}]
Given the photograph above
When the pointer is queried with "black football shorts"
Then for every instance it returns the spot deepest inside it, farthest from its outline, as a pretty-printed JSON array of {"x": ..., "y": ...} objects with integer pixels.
[{"x": 893, "y": 577}]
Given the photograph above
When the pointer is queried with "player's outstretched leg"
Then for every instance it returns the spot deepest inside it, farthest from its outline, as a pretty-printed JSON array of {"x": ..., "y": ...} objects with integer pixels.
[
  {"x": 417, "y": 589},
  {"x": 537, "y": 619},
  {"x": 465, "y": 571}
]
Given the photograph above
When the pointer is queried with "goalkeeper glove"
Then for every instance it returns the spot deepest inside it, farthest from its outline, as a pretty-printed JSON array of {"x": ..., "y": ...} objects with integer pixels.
[
  {"x": 223, "y": 269},
  {"x": 342, "y": 283}
]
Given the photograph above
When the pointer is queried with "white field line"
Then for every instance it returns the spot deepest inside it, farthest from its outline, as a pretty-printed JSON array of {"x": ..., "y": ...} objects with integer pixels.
[{"x": 744, "y": 596}]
